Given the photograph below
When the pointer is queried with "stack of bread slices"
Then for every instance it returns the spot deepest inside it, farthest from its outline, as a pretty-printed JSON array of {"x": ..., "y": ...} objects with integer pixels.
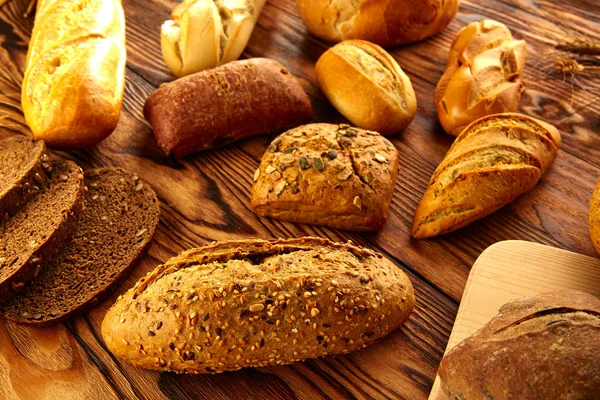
[{"x": 66, "y": 237}]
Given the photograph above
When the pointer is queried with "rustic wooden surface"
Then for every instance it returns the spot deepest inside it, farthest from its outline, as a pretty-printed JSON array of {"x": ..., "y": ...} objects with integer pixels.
[
  {"x": 513, "y": 269},
  {"x": 205, "y": 197}
]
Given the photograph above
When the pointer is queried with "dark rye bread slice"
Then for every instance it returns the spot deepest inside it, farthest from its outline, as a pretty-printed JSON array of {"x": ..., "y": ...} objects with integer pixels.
[
  {"x": 114, "y": 231},
  {"x": 35, "y": 233},
  {"x": 24, "y": 166}
]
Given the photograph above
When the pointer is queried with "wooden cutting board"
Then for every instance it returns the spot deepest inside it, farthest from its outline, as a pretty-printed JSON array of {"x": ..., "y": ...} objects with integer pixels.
[{"x": 512, "y": 269}]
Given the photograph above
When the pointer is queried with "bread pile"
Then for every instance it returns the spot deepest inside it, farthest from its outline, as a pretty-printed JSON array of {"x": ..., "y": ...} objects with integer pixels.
[{"x": 60, "y": 252}]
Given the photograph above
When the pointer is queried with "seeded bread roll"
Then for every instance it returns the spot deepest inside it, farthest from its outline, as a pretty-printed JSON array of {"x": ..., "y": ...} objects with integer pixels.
[
  {"x": 483, "y": 75},
  {"x": 24, "y": 166},
  {"x": 324, "y": 174},
  {"x": 492, "y": 162},
  {"x": 542, "y": 347},
  {"x": 367, "y": 86},
  {"x": 255, "y": 303}
]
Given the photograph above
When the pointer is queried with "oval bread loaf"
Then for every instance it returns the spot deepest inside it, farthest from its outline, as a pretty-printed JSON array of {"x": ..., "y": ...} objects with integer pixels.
[
  {"x": 367, "y": 86},
  {"x": 255, "y": 303}
]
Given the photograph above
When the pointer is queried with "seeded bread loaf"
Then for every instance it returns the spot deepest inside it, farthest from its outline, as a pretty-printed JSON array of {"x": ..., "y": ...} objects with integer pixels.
[
  {"x": 483, "y": 75},
  {"x": 24, "y": 165},
  {"x": 367, "y": 86},
  {"x": 37, "y": 230},
  {"x": 255, "y": 303},
  {"x": 325, "y": 174},
  {"x": 492, "y": 162},
  {"x": 594, "y": 217},
  {"x": 543, "y": 347},
  {"x": 225, "y": 104},
  {"x": 116, "y": 227}
]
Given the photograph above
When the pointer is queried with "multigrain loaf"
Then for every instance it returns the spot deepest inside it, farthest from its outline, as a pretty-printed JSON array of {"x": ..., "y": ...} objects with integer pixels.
[
  {"x": 493, "y": 161},
  {"x": 226, "y": 104},
  {"x": 594, "y": 217},
  {"x": 325, "y": 174},
  {"x": 24, "y": 166},
  {"x": 75, "y": 77},
  {"x": 385, "y": 22},
  {"x": 36, "y": 231},
  {"x": 543, "y": 347},
  {"x": 114, "y": 230},
  {"x": 255, "y": 303},
  {"x": 483, "y": 75},
  {"x": 367, "y": 86}
]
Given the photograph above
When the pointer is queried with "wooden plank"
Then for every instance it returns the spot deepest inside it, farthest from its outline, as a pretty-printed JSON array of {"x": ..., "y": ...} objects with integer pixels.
[{"x": 513, "y": 269}]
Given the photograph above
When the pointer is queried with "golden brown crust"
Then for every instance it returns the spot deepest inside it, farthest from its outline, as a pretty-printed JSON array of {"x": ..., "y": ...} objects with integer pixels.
[
  {"x": 253, "y": 303},
  {"x": 367, "y": 86},
  {"x": 385, "y": 22},
  {"x": 74, "y": 82},
  {"x": 543, "y": 347},
  {"x": 325, "y": 174},
  {"x": 594, "y": 217},
  {"x": 493, "y": 161},
  {"x": 483, "y": 75}
]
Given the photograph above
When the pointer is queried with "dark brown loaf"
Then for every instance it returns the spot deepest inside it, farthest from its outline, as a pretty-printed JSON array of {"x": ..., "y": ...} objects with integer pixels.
[
  {"x": 225, "y": 104},
  {"x": 253, "y": 303},
  {"x": 325, "y": 174},
  {"x": 116, "y": 227},
  {"x": 37, "y": 230},
  {"x": 543, "y": 347},
  {"x": 24, "y": 165}
]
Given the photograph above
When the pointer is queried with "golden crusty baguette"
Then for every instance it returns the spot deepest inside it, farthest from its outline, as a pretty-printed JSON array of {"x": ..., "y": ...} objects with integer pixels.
[
  {"x": 483, "y": 75},
  {"x": 367, "y": 86},
  {"x": 74, "y": 82},
  {"x": 253, "y": 303},
  {"x": 493, "y": 161},
  {"x": 205, "y": 33}
]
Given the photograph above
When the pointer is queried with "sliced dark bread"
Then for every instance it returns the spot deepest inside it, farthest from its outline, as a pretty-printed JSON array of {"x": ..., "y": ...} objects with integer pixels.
[
  {"x": 24, "y": 165},
  {"x": 35, "y": 233},
  {"x": 115, "y": 229}
]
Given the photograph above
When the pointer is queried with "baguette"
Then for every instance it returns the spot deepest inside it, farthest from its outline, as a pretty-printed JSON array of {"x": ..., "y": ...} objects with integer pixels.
[
  {"x": 483, "y": 75},
  {"x": 493, "y": 161},
  {"x": 255, "y": 303},
  {"x": 225, "y": 104},
  {"x": 74, "y": 81},
  {"x": 542, "y": 347}
]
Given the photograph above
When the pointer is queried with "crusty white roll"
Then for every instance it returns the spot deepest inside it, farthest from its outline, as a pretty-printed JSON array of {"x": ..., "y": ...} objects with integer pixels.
[
  {"x": 74, "y": 81},
  {"x": 205, "y": 33}
]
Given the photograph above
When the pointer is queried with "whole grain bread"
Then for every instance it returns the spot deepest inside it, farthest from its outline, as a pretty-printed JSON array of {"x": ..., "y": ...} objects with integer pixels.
[
  {"x": 24, "y": 165},
  {"x": 543, "y": 347},
  {"x": 254, "y": 303},
  {"x": 493, "y": 161},
  {"x": 37, "y": 230},
  {"x": 116, "y": 227},
  {"x": 325, "y": 174}
]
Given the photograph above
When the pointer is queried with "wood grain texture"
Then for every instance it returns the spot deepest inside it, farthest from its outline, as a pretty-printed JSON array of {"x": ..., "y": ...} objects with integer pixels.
[
  {"x": 206, "y": 197},
  {"x": 511, "y": 270}
]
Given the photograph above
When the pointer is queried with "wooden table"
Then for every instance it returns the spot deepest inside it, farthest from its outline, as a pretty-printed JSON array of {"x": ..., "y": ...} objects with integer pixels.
[{"x": 205, "y": 197}]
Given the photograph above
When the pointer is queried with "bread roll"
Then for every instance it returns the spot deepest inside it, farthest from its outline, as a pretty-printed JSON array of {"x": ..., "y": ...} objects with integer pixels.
[
  {"x": 492, "y": 162},
  {"x": 367, "y": 86},
  {"x": 483, "y": 75},
  {"x": 325, "y": 174},
  {"x": 205, "y": 33},
  {"x": 255, "y": 303},
  {"x": 594, "y": 217},
  {"x": 225, "y": 104},
  {"x": 385, "y": 22},
  {"x": 74, "y": 80},
  {"x": 543, "y": 347}
]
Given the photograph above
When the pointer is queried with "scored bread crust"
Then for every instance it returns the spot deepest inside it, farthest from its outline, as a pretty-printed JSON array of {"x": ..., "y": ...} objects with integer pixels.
[
  {"x": 253, "y": 303},
  {"x": 114, "y": 231},
  {"x": 542, "y": 347},
  {"x": 493, "y": 161},
  {"x": 23, "y": 261},
  {"x": 324, "y": 174},
  {"x": 28, "y": 177},
  {"x": 385, "y": 22}
]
